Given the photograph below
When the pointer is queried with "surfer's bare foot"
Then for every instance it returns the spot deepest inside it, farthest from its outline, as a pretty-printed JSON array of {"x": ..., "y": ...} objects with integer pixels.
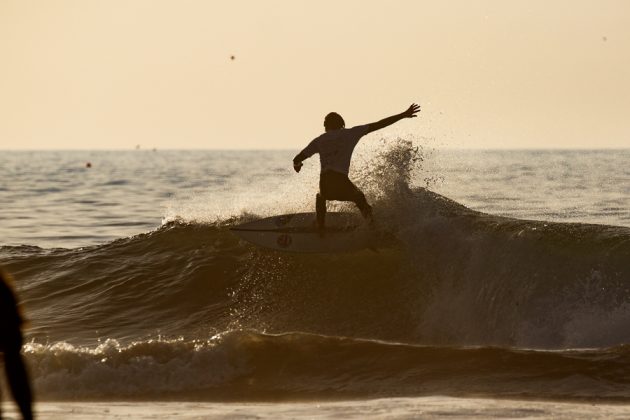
[{"x": 372, "y": 242}]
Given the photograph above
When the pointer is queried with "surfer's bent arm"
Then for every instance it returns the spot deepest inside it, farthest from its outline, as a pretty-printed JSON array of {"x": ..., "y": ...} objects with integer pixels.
[
  {"x": 297, "y": 161},
  {"x": 308, "y": 151},
  {"x": 409, "y": 113}
]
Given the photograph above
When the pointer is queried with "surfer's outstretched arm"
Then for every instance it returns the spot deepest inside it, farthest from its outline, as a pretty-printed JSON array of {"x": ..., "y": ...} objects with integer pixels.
[{"x": 409, "y": 113}]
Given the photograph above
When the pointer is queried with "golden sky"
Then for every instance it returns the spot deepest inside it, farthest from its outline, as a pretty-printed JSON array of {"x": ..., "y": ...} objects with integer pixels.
[{"x": 110, "y": 74}]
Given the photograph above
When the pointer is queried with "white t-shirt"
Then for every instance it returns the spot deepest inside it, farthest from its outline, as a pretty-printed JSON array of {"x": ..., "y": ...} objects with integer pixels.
[{"x": 335, "y": 147}]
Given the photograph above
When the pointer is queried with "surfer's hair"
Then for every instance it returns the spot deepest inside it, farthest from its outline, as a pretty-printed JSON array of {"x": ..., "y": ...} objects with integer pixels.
[{"x": 333, "y": 121}]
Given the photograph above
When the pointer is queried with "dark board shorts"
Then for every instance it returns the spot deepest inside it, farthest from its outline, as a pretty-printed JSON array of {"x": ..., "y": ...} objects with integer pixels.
[{"x": 336, "y": 186}]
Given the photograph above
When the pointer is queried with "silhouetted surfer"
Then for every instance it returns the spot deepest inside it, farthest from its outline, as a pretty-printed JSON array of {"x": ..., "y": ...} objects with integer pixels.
[
  {"x": 335, "y": 149},
  {"x": 10, "y": 346}
]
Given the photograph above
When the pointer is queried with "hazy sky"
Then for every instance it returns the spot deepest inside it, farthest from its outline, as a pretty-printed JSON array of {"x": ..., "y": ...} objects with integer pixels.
[{"x": 89, "y": 74}]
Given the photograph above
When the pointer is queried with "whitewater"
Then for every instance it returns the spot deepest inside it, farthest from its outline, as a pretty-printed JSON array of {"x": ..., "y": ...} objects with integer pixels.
[{"x": 506, "y": 275}]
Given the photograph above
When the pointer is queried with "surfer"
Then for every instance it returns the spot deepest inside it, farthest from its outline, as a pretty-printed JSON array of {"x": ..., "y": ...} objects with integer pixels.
[
  {"x": 335, "y": 149},
  {"x": 10, "y": 346}
]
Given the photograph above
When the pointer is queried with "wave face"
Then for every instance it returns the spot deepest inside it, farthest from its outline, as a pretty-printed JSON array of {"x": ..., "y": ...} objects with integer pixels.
[
  {"x": 189, "y": 311},
  {"x": 453, "y": 277}
]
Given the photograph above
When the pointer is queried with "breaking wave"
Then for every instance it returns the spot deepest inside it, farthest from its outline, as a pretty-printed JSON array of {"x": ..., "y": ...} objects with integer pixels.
[{"x": 190, "y": 311}]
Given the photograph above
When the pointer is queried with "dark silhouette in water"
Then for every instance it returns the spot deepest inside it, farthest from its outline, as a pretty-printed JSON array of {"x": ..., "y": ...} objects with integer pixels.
[
  {"x": 10, "y": 345},
  {"x": 335, "y": 149}
]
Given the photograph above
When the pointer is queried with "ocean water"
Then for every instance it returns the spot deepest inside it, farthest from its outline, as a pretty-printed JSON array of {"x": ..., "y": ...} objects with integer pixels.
[{"x": 509, "y": 277}]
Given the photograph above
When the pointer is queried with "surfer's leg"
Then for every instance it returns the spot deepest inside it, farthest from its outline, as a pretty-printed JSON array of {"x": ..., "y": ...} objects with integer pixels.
[
  {"x": 358, "y": 198},
  {"x": 362, "y": 204},
  {"x": 326, "y": 185},
  {"x": 320, "y": 208}
]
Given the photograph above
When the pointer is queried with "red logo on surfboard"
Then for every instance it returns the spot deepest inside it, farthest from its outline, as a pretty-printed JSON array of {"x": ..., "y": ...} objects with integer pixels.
[{"x": 284, "y": 240}]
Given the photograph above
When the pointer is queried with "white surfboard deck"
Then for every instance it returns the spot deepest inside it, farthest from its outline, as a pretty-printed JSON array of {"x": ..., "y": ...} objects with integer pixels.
[{"x": 345, "y": 232}]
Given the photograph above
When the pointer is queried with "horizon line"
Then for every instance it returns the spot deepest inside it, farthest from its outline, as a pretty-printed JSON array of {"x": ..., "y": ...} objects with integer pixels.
[{"x": 211, "y": 149}]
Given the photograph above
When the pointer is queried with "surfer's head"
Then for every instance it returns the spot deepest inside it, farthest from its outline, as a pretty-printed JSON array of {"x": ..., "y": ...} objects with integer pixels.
[{"x": 333, "y": 121}]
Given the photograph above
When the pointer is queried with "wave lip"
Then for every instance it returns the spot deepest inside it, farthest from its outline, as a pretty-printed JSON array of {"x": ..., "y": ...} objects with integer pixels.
[{"x": 249, "y": 366}]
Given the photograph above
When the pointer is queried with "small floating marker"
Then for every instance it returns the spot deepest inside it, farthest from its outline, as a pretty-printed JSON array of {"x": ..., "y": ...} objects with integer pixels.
[
  {"x": 232, "y": 57},
  {"x": 88, "y": 164},
  {"x": 604, "y": 38}
]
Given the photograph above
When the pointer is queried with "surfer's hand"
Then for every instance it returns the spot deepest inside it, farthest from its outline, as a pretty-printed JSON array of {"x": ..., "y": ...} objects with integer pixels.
[
  {"x": 297, "y": 166},
  {"x": 411, "y": 111}
]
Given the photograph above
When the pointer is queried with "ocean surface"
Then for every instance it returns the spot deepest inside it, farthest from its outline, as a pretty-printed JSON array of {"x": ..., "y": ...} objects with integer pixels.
[{"x": 509, "y": 276}]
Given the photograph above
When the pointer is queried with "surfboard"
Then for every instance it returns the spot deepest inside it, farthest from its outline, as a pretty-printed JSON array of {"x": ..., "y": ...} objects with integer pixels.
[{"x": 345, "y": 232}]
